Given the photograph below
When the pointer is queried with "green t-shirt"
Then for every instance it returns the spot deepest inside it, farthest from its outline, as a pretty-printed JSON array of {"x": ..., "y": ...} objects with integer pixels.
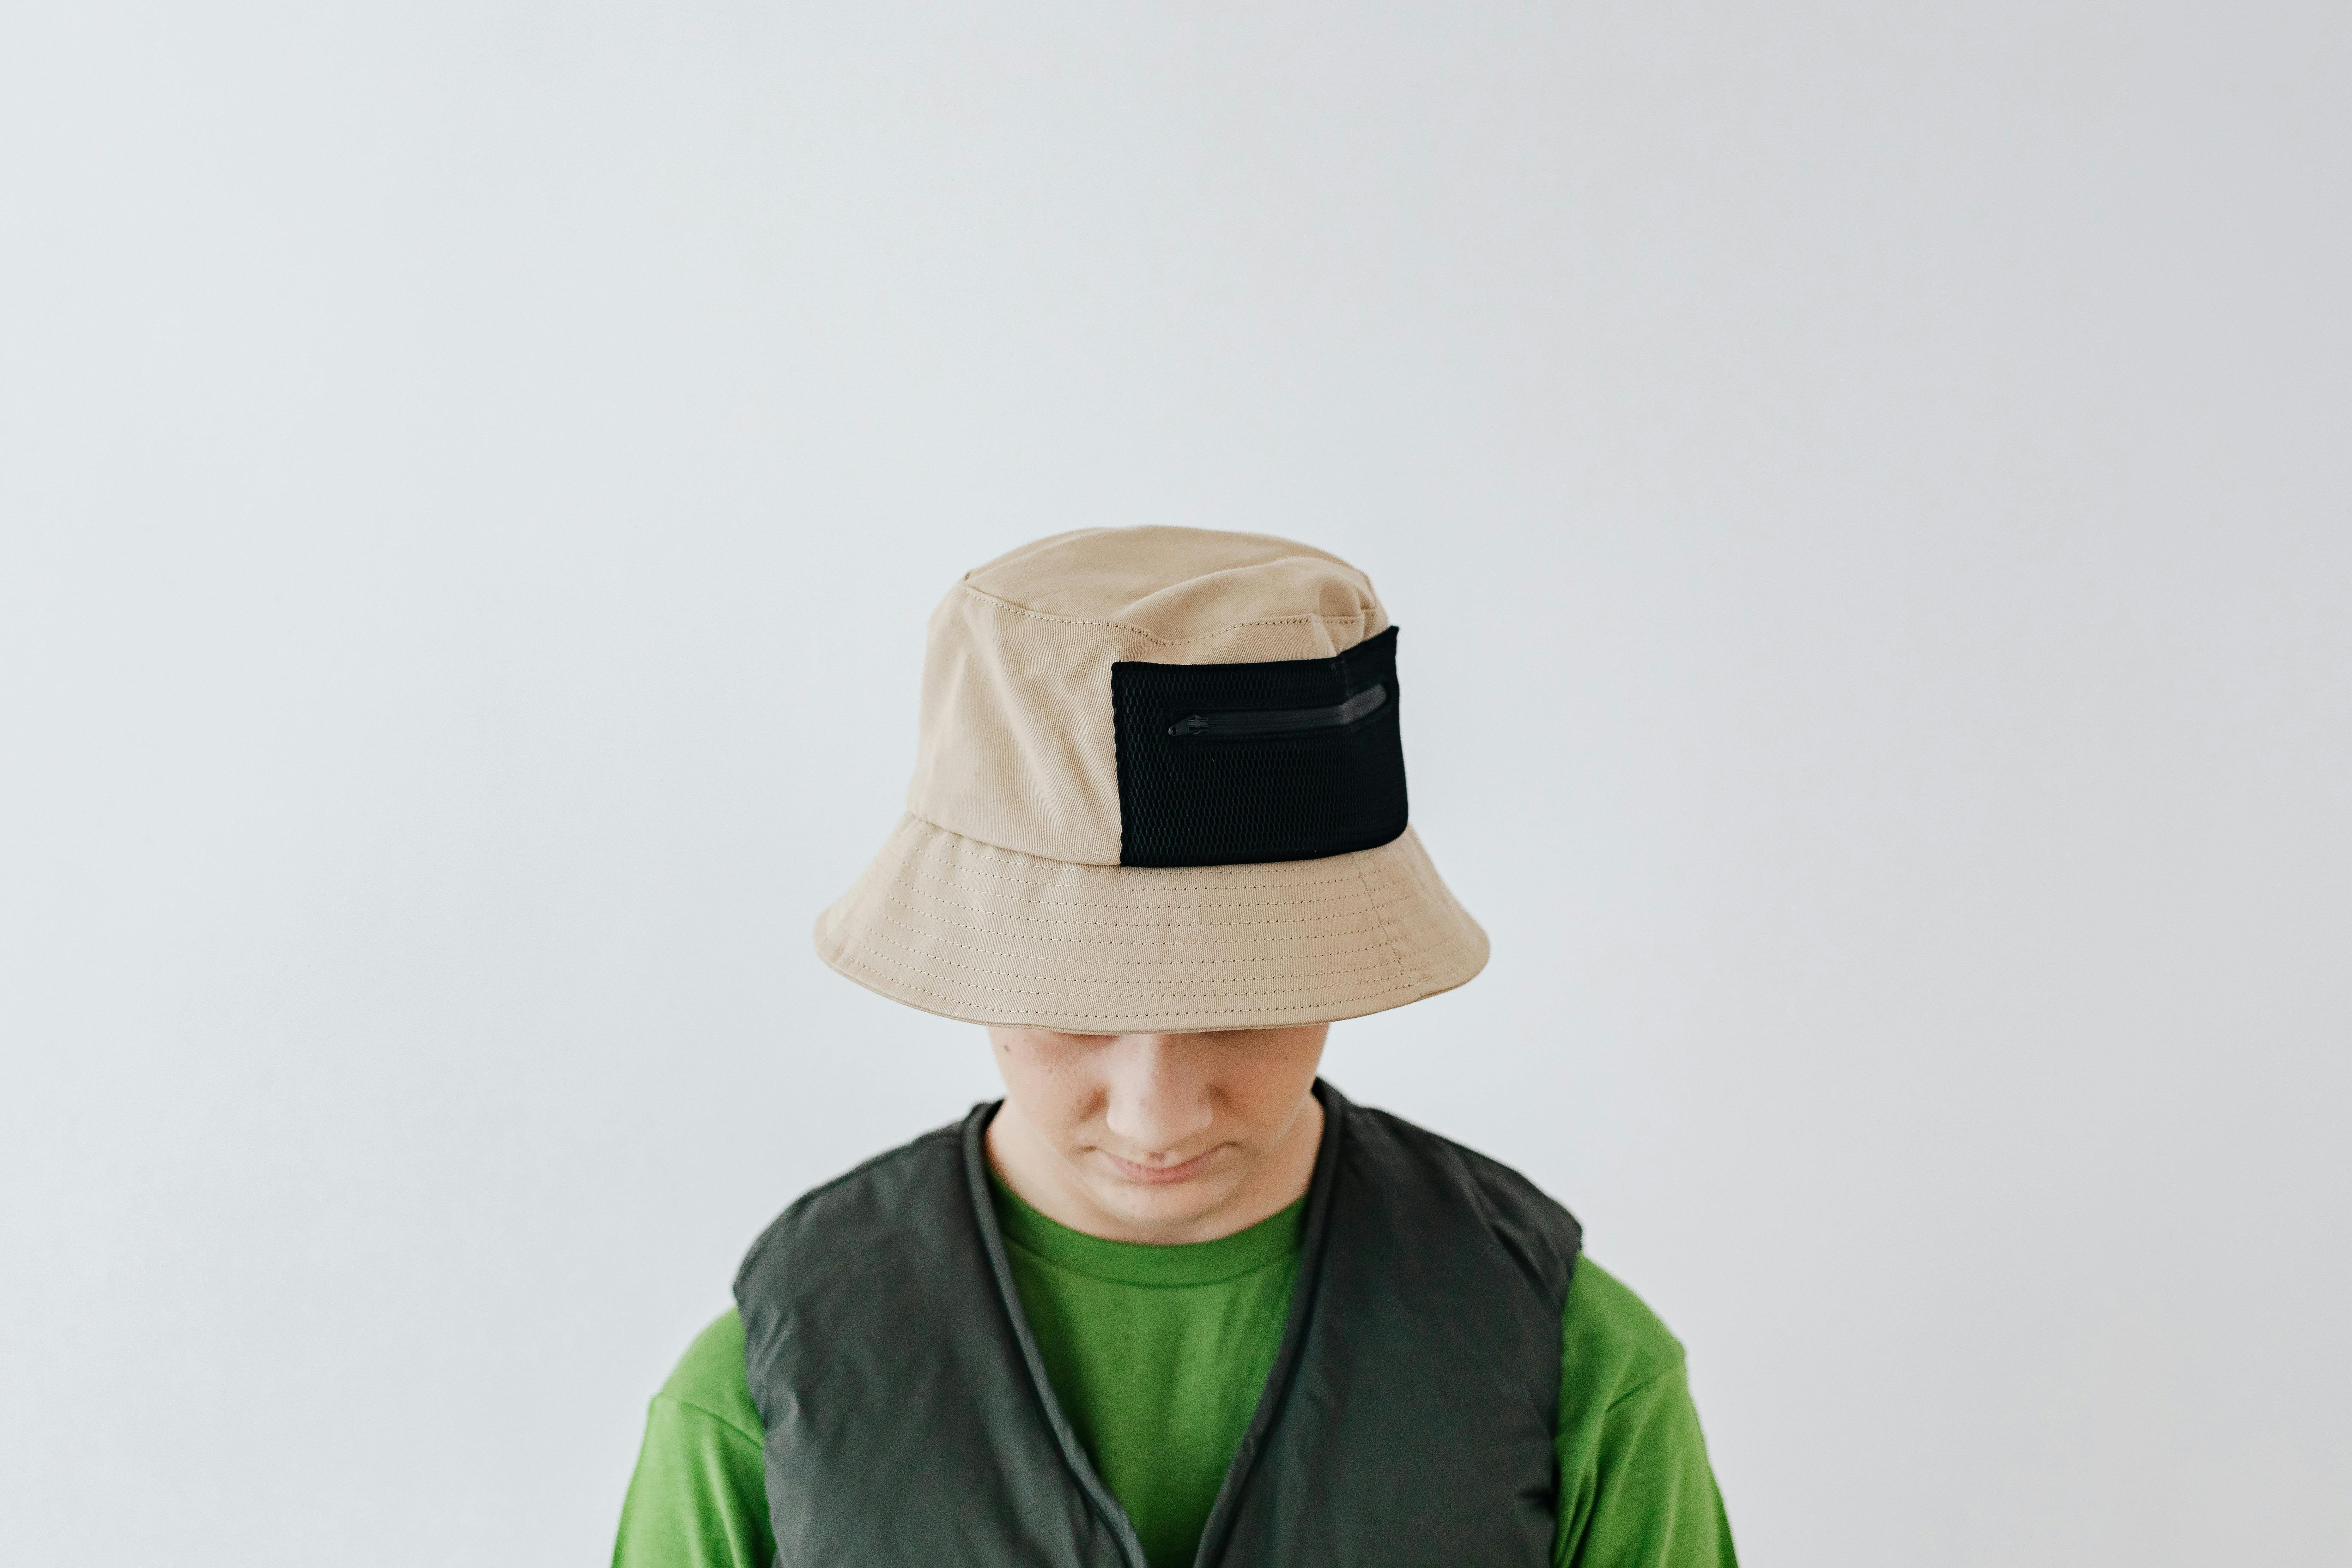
[{"x": 1158, "y": 1355}]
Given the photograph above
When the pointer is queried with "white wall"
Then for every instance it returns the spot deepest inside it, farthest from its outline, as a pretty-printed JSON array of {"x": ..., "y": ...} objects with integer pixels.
[{"x": 1867, "y": 493}]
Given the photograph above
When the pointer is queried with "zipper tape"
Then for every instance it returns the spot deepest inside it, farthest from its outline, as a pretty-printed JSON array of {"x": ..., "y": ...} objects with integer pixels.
[{"x": 1284, "y": 721}]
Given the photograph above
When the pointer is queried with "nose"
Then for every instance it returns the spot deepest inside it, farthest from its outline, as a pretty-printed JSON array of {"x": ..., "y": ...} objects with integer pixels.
[{"x": 1160, "y": 1096}]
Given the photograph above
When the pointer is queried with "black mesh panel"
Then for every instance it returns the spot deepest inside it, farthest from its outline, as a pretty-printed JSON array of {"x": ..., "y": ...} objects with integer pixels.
[{"x": 1212, "y": 799}]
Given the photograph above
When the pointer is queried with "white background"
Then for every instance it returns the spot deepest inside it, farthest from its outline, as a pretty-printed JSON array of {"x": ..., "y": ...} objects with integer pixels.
[{"x": 1866, "y": 490}]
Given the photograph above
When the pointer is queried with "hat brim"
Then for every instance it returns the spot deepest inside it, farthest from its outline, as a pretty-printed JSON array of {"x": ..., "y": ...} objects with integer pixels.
[{"x": 969, "y": 930}]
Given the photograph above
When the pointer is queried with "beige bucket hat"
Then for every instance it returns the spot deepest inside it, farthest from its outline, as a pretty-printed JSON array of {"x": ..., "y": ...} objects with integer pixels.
[{"x": 1159, "y": 787}]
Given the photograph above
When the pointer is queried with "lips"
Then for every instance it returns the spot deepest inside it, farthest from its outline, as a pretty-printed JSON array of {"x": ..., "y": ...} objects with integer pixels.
[{"x": 1159, "y": 1176}]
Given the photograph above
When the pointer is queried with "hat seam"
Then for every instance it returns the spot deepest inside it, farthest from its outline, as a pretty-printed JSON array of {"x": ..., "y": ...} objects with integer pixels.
[
  {"x": 1406, "y": 961},
  {"x": 1432, "y": 889},
  {"x": 1047, "y": 995},
  {"x": 1152, "y": 924},
  {"x": 1397, "y": 957},
  {"x": 1004, "y": 855},
  {"x": 1320, "y": 974},
  {"x": 1331, "y": 881},
  {"x": 1011, "y": 608},
  {"x": 1160, "y": 964},
  {"x": 1113, "y": 941}
]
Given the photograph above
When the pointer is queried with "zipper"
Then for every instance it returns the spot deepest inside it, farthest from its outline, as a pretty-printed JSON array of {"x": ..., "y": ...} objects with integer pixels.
[{"x": 1285, "y": 720}]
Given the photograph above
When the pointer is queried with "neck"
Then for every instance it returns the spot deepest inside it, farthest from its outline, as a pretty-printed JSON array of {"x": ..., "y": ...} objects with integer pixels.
[{"x": 1042, "y": 1178}]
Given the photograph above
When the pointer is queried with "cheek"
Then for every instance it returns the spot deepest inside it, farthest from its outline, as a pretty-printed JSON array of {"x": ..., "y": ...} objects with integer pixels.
[
  {"x": 1055, "y": 1092},
  {"x": 1274, "y": 1089}
]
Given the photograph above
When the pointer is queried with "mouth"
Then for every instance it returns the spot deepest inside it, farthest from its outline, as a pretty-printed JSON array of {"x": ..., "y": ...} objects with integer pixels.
[{"x": 1158, "y": 1175}]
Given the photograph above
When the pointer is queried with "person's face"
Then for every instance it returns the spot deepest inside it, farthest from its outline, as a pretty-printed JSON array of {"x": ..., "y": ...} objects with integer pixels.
[{"x": 1158, "y": 1131}]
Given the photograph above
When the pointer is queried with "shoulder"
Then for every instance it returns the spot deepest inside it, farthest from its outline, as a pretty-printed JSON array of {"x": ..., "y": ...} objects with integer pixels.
[
  {"x": 881, "y": 1183},
  {"x": 829, "y": 1226},
  {"x": 1612, "y": 1344},
  {"x": 1541, "y": 1238},
  {"x": 708, "y": 1378}
]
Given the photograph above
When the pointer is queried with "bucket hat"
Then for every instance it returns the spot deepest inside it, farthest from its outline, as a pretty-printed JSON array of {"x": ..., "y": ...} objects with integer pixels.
[{"x": 1158, "y": 785}]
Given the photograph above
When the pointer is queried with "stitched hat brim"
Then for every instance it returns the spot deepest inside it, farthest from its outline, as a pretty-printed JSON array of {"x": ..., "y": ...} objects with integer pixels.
[{"x": 966, "y": 930}]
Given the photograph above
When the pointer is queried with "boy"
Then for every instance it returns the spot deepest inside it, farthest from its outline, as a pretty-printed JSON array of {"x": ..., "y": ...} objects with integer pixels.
[{"x": 1173, "y": 1300}]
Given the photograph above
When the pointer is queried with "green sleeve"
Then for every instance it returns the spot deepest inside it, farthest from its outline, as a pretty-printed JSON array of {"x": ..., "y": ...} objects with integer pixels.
[
  {"x": 1635, "y": 1490},
  {"x": 699, "y": 1498}
]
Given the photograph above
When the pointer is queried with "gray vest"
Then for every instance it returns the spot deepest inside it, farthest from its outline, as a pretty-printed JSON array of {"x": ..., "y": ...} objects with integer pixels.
[{"x": 1407, "y": 1423}]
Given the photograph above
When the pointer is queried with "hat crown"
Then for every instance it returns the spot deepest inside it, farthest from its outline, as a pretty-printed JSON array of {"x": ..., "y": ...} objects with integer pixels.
[
  {"x": 1178, "y": 585},
  {"x": 1017, "y": 747}
]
